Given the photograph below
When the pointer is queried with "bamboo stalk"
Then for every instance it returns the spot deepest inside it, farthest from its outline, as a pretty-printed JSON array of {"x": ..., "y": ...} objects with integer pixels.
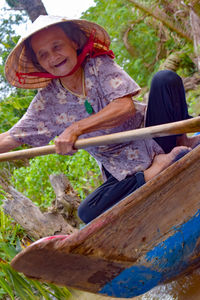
[{"x": 180, "y": 127}]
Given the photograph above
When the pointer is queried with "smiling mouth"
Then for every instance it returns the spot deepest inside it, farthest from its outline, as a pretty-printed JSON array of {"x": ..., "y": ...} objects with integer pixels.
[{"x": 61, "y": 63}]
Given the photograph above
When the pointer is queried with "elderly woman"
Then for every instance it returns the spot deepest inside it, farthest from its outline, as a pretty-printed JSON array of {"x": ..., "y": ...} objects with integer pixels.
[{"x": 83, "y": 92}]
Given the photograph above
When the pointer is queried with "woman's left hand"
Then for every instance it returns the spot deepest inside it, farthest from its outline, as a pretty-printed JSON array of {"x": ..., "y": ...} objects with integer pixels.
[{"x": 65, "y": 142}]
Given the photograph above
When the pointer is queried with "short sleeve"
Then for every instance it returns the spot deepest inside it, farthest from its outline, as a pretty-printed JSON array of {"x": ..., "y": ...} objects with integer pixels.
[
  {"x": 34, "y": 127},
  {"x": 114, "y": 81}
]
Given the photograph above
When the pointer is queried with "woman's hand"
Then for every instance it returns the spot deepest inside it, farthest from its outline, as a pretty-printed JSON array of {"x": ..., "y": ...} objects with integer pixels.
[
  {"x": 115, "y": 113},
  {"x": 7, "y": 142},
  {"x": 65, "y": 142}
]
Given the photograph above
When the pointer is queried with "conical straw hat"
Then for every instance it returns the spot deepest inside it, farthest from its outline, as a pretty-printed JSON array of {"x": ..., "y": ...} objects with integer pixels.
[{"x": 18, "y": 62}]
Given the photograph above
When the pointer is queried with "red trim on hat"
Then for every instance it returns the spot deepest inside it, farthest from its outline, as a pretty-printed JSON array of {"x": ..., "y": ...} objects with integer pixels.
[{"x": 88, "y": 49}]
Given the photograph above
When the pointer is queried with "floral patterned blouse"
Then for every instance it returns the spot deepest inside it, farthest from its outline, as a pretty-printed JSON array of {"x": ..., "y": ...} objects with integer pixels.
[{"x": 54, "y": 108}]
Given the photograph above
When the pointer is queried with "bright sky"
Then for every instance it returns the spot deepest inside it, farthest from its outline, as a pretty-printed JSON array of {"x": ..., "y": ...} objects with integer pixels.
[
  {"x": 71, "y": 9},
  {"x": 67, "y": 8}
]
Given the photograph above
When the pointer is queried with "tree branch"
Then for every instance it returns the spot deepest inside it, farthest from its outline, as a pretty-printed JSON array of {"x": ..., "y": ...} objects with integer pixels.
[
  {"x": 62, "y": 220},
  {"x": 195, "y": 4},
  {"x": 195, "y": 24},
  {"x": 33, "y": 8},
  {"x": 128, "y": 46},
  {"x": 162, "y": 17}
]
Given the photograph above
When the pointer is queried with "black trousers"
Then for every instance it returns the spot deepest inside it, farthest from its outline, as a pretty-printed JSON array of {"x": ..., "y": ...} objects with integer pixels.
[{"x": 166, "y": 104}]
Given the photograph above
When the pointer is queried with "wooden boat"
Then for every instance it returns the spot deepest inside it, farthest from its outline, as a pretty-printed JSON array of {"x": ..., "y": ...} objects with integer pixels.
[{"x": 149, "y": 238}]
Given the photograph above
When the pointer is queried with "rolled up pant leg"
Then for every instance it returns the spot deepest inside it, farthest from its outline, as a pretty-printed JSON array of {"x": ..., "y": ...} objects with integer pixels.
[{"x": 166, "y": 104}]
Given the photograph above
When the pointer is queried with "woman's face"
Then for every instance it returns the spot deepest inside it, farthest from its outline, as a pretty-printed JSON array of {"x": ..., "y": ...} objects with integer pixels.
[{"x": 55, "y": 52}]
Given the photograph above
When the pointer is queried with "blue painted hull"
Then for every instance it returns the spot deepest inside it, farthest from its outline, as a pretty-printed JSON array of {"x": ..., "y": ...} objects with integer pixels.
[{"x": 167, "y": 261}]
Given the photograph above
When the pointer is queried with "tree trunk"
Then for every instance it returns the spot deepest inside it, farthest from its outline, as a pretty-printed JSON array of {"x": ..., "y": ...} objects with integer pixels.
[
  {"x": 195, "y": 25},
  {"x": 196, "y": 6},
  {"x": 192, "y": 82},
  {"x": 33, "y": 8},
  {"x": 61, "y": 219}
]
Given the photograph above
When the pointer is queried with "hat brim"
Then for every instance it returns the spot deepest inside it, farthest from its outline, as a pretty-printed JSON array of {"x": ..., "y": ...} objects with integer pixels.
[{"x": 17, "y": 61}]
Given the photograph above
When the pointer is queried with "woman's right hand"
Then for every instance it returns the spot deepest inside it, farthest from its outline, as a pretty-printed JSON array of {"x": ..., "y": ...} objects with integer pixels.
[{"x": 65, "y": 142}]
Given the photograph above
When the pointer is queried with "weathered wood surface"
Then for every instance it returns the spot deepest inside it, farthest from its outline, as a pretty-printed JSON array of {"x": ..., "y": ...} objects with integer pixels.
[
  {"x": 60, "y": 219},
  {"x": 133, "y": 235},
  {"x": 29, "y": 216},
  {"x": 145, "y": 217},
  {"x": 67, "y": 200}
]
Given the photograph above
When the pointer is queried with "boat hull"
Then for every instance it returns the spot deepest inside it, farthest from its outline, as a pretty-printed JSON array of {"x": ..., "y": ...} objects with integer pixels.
[{"x": 149, "y": 238}]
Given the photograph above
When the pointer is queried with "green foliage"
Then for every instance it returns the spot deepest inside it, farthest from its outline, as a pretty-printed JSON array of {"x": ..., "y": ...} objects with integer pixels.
[
  {"x": 8, "y": 39},
  {"x": 81, "y": 169},
  {"x": 187, "y": 66},
  {"x": 147, "y": 52},
  {"x": 14, "y": 107},
  {"x": 12, "y": 283},
  {"x": 116, "y": 17},
  {"x": 13, "y": 3},
  {"x": 193, "y": 99},
  {"x": 17, "y": 286},
  {"x": 144, "y": 59}
]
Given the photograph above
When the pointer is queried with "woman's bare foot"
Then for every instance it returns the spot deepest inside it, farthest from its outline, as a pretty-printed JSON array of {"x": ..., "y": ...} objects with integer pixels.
[{"x": 162, "y": 161}]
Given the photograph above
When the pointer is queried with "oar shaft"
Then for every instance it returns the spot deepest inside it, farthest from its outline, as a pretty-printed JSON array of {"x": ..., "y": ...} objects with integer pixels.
[{"x": 186, "y": 126}]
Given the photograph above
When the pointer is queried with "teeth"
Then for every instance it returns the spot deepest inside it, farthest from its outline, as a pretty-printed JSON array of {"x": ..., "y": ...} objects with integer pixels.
[{"x": 62, "y": 62}]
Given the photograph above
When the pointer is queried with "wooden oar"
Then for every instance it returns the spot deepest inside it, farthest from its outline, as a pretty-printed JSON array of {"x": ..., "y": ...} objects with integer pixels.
[{"x": 186, "y": 126}]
